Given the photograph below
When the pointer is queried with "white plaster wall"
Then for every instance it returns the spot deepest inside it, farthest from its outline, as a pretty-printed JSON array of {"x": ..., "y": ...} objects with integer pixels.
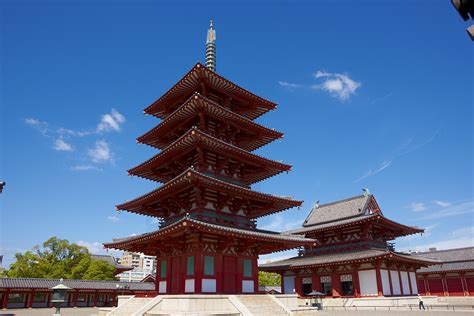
[
  {"x": 405, "y": 285},
  {"x": 385, "y": 283},
  {"x": 395, "y": 282},
  {"x": 189, "y": 286},
  {"x": 414, "y": 286},
  {"x": 368, "y": 282},
  {"x": 162, "y": 287},
  {"x": 247, "y": 286},
  {"x": 288, "y": 284},
  {"x": 209, "y": 285}
]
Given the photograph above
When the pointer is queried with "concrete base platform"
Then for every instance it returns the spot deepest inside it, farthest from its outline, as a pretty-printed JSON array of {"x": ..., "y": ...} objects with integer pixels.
[{"x": 280, "y": 305}]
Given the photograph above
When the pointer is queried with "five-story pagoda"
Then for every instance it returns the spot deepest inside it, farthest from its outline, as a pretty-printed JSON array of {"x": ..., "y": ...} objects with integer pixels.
[{"x": 208, "y": 241}]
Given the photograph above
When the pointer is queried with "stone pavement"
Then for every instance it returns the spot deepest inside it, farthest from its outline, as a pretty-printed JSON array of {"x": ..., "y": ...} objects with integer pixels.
[{"x": 83, "y": 311}]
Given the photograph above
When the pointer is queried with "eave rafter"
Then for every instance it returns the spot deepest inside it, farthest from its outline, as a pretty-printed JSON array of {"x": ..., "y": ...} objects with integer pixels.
[
  {"x": 261, "y": 204},
  {"x": 173, "y": 160},
  {"x": 198, "y": 110},
  {"x": 195, "y": 79}
]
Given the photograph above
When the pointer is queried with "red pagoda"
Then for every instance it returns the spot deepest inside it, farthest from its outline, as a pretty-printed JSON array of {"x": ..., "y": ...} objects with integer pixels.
[{"x": 206, "y": 206}]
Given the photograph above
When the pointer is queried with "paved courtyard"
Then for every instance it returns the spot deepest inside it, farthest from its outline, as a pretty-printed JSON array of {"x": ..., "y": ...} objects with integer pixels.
[{"x": 50, "y": 311}]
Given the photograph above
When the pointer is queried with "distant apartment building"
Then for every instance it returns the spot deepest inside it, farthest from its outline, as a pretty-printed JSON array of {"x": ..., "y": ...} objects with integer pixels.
[{"x": 142, "y": 266}]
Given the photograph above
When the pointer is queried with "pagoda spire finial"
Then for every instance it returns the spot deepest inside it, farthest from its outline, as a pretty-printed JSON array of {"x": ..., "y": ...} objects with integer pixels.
[{"x": 211, "y": 48}]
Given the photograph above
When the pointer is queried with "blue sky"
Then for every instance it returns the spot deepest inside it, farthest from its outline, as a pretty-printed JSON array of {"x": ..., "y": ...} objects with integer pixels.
[{"x": 376, "y": 95}]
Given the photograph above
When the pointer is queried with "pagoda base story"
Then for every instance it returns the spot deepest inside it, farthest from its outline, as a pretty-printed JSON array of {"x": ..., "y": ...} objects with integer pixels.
[{"x": 207, "y": 272}]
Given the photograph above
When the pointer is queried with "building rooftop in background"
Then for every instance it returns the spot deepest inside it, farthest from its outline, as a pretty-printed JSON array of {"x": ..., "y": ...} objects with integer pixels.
[{"x": 458, "y": 259}]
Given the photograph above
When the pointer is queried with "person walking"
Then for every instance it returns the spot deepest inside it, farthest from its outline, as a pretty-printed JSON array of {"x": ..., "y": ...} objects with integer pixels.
[{"x": 420, "y": 302}]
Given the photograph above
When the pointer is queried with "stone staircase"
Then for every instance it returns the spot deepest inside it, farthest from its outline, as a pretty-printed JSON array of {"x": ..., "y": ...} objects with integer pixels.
[
  {"x": 262, "y": 305},
  {"x": 130, "y": 307}
]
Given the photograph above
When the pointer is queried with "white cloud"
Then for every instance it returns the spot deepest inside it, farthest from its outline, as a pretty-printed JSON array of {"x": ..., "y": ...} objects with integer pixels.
[
  {"x": 100, "y": 153},
  {"x": 97, "y": 248},
  {"x": 85, "y": 168},
  {"x": 113, "y": 218},
  {"x": 384, "y": 165},
  {"x": 461, "y": 208},
  {"x": 278, "y": 223},
  {"x": 110, "y": 122},
  {"x": 61, "y": 145},
  {"x": 418, "y": 206},
  {"x": 289, "y": 85},
  {"x": 338, "y": 85},
  {"x": 462, "y": 237},
  {"x": 441, "y": 203}
]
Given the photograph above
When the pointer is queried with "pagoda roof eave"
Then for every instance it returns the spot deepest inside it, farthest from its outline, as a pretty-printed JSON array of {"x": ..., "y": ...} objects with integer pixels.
[
  {"x": 133, "y": 243},
  {"x": 190, "y": 175},
  {"x": 192, "y": 79},
  {"x": 191, "y": 106},
  {"x": 354, "y": 257},
  {"x": 194, "y": 135}
]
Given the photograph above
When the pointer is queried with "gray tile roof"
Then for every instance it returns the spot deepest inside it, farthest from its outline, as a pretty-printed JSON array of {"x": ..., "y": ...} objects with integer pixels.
[
  {"x": 450, "y": 266},
  {"x": 334, "y": 258},
  {"x": 257, "y": 233},
  {"x": 110, "y": 259},
  {"x": 458, "y": 259},
  {"x": 449, "y": 255},
  {"x": 335, "y": 211},
  {"x": 302, "y": 230},
  {"x": 34, "y": 283}
]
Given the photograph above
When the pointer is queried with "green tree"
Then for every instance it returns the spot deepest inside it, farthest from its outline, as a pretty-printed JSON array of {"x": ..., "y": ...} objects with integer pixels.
[
  {"x": 99, "y": 270},
  {"x": 57, "y": 258},
  {"x": 268, "y": 279}
]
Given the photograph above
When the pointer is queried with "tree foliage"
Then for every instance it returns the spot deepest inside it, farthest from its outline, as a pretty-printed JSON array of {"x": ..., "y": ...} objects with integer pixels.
[
  {"x": 57, "y": 258},
  {"x": 268, "y": 279}
]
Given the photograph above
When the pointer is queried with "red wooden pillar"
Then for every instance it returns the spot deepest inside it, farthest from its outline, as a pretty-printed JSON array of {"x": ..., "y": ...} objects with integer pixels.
[
  {"x": 218, "y": 272},
  {"x": 5, "y": 299},
  {"x": 427, "y": 285},
  {"x": 356, "y": 283},
  {"x": 464, "y": 284},
  {"x": 74, "y": 300},
  {"x": 299, "y": 285},
  {"x": 336, "y": 284},
  {"x": 94, "y": 303},
  {"x": 255, "y": 274},
  {"x": 49, "y": 303},
  {"x": 198, "y": 271},
  {"x": 316, "y": 283},
  {"x": 168, "y": 275},
  {"x": 31, "y": 297},
  {"x": 390, "y": 280},
  {"x": 378, "y": 277},
  {"x": 281, "y": 282},
  {"x": 114, "y": 299},
  {"x": 409, "y": 281},
  {"x": 400, "y": 280},
  {"x": 444, "y": 282}
]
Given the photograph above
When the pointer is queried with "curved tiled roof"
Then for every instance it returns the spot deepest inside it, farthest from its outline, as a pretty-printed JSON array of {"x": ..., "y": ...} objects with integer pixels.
[
  {"x": 458, "y": 259},
  {"x": 338, "y": 258},
  {"x": 35, "y": 283},
  {"x": 334, "y": 211}
]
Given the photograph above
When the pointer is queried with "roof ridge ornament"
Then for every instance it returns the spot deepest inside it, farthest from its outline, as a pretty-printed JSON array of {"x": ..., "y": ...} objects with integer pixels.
[
  {"x": 366, "y": 192},
  {"x": 211, "y": 48}
]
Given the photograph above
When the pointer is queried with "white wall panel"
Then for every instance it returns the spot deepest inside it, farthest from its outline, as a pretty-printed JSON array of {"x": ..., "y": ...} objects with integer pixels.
[
  {"x": 414, "y": 286},
  {"x": 385, "y": 283},
  {"x": 248, "y": 286},
  {"x": 162, "y": 287},
  {"x": 368, "y": 282},
  {"x": 209, "y": 285},
  {"x": 405, "y": 285},
  {"x": 288, "y": 284},
  {"x": 395, "y": 282},
  {"x": 189, "y": 286}
]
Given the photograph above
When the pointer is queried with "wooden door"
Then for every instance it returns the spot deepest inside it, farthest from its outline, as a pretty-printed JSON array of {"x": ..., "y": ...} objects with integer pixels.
[
  {"x": 175, "y": 275},
  {"x": 229, "y": 275}
]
